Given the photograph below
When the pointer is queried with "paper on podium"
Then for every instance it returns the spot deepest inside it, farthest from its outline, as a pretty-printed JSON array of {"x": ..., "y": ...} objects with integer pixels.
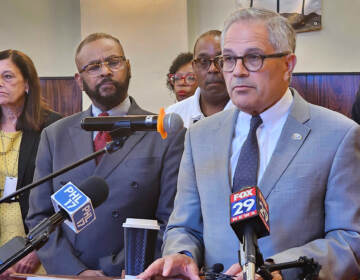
[{"x": 60, "y": 277}]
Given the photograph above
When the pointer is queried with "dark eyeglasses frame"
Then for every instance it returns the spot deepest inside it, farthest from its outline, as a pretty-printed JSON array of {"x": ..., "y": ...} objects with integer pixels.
[
  {"x": 183, "y": 77},
  {"x": 243, "y": 58},
  {"x": 210, "y": 61},
  {"x": 105, "y": 63}
]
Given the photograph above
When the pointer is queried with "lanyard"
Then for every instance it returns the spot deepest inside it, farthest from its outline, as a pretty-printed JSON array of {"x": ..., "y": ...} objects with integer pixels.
[{"x": 3, "y": 154}]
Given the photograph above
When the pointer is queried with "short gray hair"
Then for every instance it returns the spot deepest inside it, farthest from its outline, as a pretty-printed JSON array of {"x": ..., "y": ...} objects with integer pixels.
[{"x": 282, "y": 35}]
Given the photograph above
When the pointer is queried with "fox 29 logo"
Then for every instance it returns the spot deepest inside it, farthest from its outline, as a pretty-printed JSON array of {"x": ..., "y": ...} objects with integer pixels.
[{"x": 243, "y": 204}]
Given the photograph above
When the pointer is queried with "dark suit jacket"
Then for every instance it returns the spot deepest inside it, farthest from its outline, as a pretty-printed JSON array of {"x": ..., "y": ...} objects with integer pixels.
[
  {"x": 27, "y": 154},
  {"x": 355, "y": 112},
  {"x": 141, "y": 176}
]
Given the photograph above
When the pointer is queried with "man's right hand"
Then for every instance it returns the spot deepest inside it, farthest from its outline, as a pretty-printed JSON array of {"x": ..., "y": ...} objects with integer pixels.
[{"x": 172, "y": 266}]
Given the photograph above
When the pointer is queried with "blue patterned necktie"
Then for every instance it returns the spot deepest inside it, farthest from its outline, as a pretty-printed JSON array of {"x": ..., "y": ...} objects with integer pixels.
[{"x": 248, "y": 162}]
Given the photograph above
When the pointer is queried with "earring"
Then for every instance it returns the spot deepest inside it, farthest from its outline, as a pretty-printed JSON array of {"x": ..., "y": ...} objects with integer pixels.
[{"x": 27, "y": 92}]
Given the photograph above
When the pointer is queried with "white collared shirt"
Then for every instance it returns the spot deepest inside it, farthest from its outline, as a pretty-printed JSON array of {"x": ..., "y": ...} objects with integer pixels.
[
  {"x": 120, "y": 110},
  {"x": 189, "y": 109},
  {"x": 268, "y": 132}
]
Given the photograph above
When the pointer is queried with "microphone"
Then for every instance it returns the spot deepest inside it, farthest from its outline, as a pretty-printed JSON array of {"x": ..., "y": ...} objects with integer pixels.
[
  {"x": 14, "y": 245},
  {"x": 94, "y": 189},
  {"x": 78, "y": 206},
  {"x": 163, "y": 123},
  {"x": 215, "y": 273},
  {"x": 249, "y": 218},
  {"x": 74, "y": 205},
  {"x": 217, "y": 268}
]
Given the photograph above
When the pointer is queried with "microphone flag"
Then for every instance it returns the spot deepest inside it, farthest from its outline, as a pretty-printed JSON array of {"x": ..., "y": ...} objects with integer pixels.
[
  {"x": 76, "y": 204},
  {"x": 248, "y": 206}
]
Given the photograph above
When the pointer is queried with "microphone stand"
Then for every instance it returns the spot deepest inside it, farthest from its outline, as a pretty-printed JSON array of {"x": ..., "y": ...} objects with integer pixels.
[
  {"x": 252, "y": 254},
  {"x": 310, "y": 268},
  {"x": 119, "y": 136},
  {"x": 250, "y": 249},
  {"x": 254, "y": 261},
  {"x": 39, "y": 235},
  {"x": 35, "y": 239}
]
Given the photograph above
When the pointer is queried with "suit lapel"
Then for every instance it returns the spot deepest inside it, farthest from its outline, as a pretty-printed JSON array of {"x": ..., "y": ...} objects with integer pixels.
[
  {"x": 110, "y": 161},
  {"x": 82, "y": 144},
  {"x": 27, "y": 147},
  {"x": 292, "y": 137},
  {"x": 221, "y": 139}
]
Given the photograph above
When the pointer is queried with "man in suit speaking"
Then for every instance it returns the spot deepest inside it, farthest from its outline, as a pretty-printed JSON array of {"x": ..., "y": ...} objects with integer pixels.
[
  {"x": 304, "y": 158},
  {"x": 141, "y": 175}
]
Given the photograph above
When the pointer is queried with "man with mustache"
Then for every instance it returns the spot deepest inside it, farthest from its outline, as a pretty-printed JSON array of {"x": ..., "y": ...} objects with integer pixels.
[
  {"x": 141, "y": 175},
  {"x": 305, "y": 159},
  {"x": 211, "y": 96}
]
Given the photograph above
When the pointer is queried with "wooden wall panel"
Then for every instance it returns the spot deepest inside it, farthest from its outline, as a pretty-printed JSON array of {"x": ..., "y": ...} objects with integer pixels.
[
  {"x": 62, "y": 94},
  {"x": 336, "y": 91}
]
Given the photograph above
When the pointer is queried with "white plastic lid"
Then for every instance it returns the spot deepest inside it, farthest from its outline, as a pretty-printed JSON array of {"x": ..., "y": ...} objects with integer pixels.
[{"x": 141, "y": 223}]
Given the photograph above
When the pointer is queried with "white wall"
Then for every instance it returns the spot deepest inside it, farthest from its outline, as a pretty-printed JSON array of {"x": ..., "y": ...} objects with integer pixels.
[
  {"x": 46, "y": 30},
  {"x": 152, "y": 33},
  {"x": 204, "y": 15},
  {"x": 335, "y": 48}
]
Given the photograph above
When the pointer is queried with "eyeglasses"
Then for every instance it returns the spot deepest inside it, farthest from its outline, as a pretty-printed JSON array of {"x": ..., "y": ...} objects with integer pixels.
[
  {"x": 188, "y": 78},
  {"x": 251, "y": 62},
  {"x": 114, "y": 63},
  {"x": 204, "y": 63}
]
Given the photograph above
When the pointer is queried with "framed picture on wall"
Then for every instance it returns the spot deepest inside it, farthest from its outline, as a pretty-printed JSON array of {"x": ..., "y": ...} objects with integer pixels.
[{"x": 304, "y": 15}]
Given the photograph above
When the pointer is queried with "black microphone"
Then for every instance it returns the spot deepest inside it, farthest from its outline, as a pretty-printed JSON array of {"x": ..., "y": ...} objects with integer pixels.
[
  {"x": 95, "y": 188},
  {"x": 217, "y": 268},
  {"x": 214, "y": 272},
  {"x": 249, "y": 218},
  {"x": 169, "y": 123},
  {"x": 14, "y": 245},
  {"x": 14, "y": 250}
]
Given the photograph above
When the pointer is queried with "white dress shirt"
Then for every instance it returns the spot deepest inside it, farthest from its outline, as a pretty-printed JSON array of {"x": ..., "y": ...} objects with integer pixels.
[
  {"x": 268, "y": 133},
  {"x": 120, "y": 110},
  {"x": 189, "y": 109}
]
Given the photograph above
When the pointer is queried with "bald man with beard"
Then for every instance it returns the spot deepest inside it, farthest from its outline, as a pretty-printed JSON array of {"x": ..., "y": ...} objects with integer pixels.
[{"x": 141, "y": 175}]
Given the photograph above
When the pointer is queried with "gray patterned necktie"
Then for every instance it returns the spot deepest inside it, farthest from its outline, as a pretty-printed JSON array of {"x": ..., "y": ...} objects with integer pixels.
[{"x": 248, "y": 162}]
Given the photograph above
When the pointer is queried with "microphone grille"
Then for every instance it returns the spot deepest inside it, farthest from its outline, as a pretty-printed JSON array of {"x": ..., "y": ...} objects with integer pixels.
[
  {"x": 96, "y": 189},
  {"x": 218, "y": 267},
  {"x": 173, "y": 123}
]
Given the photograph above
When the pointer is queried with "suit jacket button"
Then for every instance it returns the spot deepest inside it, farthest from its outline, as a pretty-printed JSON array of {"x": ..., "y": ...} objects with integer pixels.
[
  {"x": 115, "y": 214},
  {"x": 134, "y": 185}
]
